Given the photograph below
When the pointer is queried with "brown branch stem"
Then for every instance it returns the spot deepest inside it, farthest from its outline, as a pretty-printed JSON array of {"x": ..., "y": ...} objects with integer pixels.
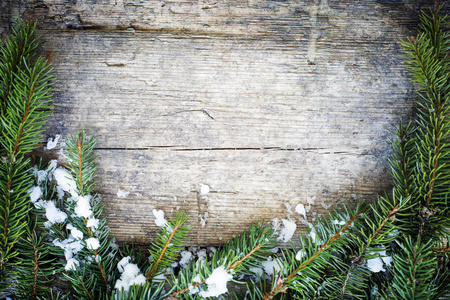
[
  {"x": 80, "y": 166},
  {"x": 443, "y": 250},
  {"x": 80, "y": 172},
  {"x": 235, "y": 264},
  {"x": 187, "y": 289},
  {"x": 86, "y": 290},
  {"x": 36, "y": 266}
]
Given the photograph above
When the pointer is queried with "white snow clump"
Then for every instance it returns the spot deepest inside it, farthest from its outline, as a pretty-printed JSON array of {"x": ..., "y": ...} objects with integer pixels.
[
  {"x": 92, "y": 222},
  {"x": 217, "y": 283},
  {"x": 122, "y": 194},
  {"x": 287, "y": 231},
  {"x": 271, "y": 266},
  {"x": 83, "y": 208},
  {"x": 76, "y": 234},
  {"x": 300, "y": 209},
  {"x": 52, "y": 143},
  {"x": 35, "y": 194},
  {"x": 93, "y": 243},
  {"x": 70, "y": 246},
  {"x": 131, "y": 275},
  {"x": 204, "y": 189},
  {"x": 376, "y": 264},
  {"x": 65, "y": 181},
  {"x": 300, "y": 254},
  {"x": 52, "y": 213},
  {"x": 72, "y": 264},
  {"x": 337, "y": 222},
  {"x": 186, "y": 257},
  {"x": 159, "y": 218}
]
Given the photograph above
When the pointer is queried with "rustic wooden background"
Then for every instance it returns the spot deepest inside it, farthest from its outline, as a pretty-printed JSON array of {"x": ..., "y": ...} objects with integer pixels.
[{"x": 265, "y": 104}]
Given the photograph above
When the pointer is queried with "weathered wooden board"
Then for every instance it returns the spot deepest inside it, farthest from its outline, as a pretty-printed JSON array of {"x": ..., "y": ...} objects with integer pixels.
[{"x": 266, "y": 103}]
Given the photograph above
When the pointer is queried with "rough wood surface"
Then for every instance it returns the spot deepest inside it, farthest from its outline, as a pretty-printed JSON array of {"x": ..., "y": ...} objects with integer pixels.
[{"x": 267, "y": 103}]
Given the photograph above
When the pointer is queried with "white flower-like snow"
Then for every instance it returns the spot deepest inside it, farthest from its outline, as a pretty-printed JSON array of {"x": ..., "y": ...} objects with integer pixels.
[
  {"x": 287, "y": 232},
  {"x": 72, "y": 264},
  {"x": 92, "y": 243},
  {"x": 159, "y": 218},
  {"x": 131, "y": 275},
  {"x": 217, "y": 283},
  {"x": 51, "y": 143}
]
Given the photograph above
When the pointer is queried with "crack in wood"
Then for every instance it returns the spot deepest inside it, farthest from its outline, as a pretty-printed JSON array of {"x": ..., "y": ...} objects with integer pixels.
[
  {"x": 114, "y": 64},
  {"x": 178, "y": 149},
  {"x": 189, "y": 110}
]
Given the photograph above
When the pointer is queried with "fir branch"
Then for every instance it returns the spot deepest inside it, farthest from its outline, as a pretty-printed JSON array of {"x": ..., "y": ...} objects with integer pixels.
[
  {"x": 92, "y": 268},
  {"x": 171, "y": 244},
  {"x": 229, "y": 270},
  {"x": 413, "y": 270},
  {"x": 389, "y": 218},
  {"x": 14, "y": 51},
  {"x": 81, "y": 156},
  {"x": 86, "y": 291},
  {"x": 354, "y": 282},
  {"x": 25, "y": 95},
  {"x": 28, "y": 108},
  {"x": 236, "y": 255},
  {"x": 194, "y": 285},
  {"x": 247, "y": 256},
  {"x": 149, "y": 291},
  {"x": 37, "y": 264},
  {"x": 403, "y": 162},
  {"x": 283, "y": 284},
  {"x": 81, "y": 160},
  {"x": 427, "y": 62}
]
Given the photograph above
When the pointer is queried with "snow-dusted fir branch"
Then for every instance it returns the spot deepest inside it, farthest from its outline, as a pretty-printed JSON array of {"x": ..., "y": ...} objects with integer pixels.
[
  {"x": 209, "y": 278},
  {"x": 96, "y": 257},
  {"x": 367, "y": 244},
  {"x": 164, "y": 252},
  {"x": 316, "y": 260}
]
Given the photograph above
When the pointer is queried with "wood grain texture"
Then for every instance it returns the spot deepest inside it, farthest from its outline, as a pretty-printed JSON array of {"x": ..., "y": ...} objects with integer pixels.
[{"x": 265, "y": 102}]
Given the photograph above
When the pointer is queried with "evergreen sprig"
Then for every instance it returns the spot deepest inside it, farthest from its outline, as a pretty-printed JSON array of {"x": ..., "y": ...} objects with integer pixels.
[
  {"x": 165, "y": 250},
  {"x": 429, "y": 67},
  {"x": 37, "y": 264},
  {"x": 412, "y": 276},
  {"x": 18, "y": 49},
  {"x": 95, "y": 275},
  {"x": 148, "y": 291},
  {"x": 303, "y": 269},
  {"x": 25, "y": 96},
  {"x": 421, "y": 166},
  {"x": 236, "y": 257},
  {"x": 39, "y": 259}
]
